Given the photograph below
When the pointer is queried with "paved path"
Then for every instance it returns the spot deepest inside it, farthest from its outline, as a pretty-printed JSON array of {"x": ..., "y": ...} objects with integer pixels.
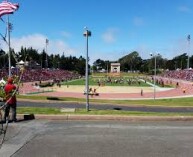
[{"x": 97, "y": 139}]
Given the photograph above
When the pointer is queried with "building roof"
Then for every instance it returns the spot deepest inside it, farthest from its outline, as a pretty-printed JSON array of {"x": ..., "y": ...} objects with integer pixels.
[{"x": 115, "y": 64}]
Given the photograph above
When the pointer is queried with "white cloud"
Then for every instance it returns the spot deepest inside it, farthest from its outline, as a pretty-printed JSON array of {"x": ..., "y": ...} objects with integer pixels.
[
  {"x": 110, "y": 35},
  {"x": 38, "y": 42},
  {"x": 184, "y": 9},
  {"x": 58, "y": 46}
]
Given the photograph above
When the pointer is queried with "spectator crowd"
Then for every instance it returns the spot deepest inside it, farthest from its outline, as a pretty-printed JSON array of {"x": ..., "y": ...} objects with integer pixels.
[
  {"x": 31, "y": 75},
  {"x": 186, "y": 74}
]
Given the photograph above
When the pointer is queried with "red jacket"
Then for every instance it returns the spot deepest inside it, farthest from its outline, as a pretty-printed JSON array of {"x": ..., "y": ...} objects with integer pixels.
[{"x": 9, "y": 89}]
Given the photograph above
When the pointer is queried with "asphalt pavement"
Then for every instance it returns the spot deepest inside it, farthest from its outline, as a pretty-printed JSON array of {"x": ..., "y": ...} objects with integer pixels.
[
  {"x": 96, "y": 136},
  {"x": 49, "y": 138},
  {"x": 105, "y": 106}
]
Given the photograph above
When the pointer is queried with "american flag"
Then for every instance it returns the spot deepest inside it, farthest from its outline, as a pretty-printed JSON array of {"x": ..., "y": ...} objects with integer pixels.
[{"x": 8, "y": 8}]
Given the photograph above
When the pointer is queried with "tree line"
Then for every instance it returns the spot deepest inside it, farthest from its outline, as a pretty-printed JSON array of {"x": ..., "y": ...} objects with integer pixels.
[
  {"x": 44, "y": 60},
  {"x": 131, "y": 62}
]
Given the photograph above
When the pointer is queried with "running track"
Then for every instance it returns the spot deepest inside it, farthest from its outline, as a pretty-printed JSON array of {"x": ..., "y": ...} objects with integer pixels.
[{"x": 172, "y": 93}]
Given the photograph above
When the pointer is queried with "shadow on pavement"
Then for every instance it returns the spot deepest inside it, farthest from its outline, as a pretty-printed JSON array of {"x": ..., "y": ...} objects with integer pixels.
[{"x": 26, "y": 117}]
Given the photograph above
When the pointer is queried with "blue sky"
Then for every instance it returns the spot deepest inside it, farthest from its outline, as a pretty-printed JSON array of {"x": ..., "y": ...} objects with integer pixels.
[{"x": 118, "y": 27}]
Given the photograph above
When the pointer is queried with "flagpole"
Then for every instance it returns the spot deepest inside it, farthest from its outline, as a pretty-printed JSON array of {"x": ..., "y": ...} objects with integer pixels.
[
  {"x": 7, "y": 8},
  {"x": 9, "y": 45}
]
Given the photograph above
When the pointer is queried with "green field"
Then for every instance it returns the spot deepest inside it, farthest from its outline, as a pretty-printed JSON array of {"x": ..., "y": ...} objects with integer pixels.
[
  {"x": 126, "y": 81},
  {"x": 54, "y": 111}
]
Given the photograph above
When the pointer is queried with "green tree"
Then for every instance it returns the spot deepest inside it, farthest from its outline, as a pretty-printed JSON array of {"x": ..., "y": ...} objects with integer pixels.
[
  {"x": 81, "y": 65},
  {"x": 131, "y": 62},
  {"x": 3, "y": 58},
  {"x": 99, "y": 64}
]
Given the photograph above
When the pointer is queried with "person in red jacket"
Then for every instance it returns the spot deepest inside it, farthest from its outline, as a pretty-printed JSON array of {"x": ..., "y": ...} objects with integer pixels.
[{"x": 10, "y": 98}]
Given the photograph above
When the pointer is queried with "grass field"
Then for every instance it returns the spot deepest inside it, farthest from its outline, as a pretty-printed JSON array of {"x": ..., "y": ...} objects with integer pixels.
[
  {"x": 125, "y": 79},
  {"x": 54, "y": 111},
  {"x": 93, "y": 81}
]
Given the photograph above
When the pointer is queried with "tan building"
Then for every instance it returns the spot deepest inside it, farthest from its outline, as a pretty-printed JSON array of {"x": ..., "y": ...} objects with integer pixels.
[{"x": 115, "y": 67}]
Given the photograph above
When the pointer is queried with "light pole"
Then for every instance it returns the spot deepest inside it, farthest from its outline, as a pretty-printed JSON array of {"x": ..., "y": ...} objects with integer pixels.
[
  {"x": 155, "y": 69},
  {"x": 188, "y": 61},
  {"x": 47, "y": 42},
  {"x": 87, "y": 34}
]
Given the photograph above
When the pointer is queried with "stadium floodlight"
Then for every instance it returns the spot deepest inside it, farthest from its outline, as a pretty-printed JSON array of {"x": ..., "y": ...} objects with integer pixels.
[
  {"x": 87, "y": 34},
  {"x": 155, "y": 69}
]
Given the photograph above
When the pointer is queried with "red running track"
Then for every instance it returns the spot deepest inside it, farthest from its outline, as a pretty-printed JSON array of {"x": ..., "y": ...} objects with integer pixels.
[{"x": 184, "y": 90}]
